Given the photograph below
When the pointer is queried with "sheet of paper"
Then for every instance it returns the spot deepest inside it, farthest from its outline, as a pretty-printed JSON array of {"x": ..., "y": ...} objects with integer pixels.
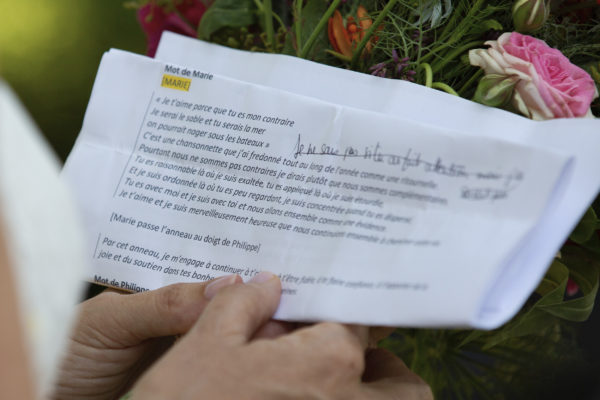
[
  {"x": 44, "y": 239},
  {"x": 578, "y": 138},
  {"x": 186, "y": 176}
]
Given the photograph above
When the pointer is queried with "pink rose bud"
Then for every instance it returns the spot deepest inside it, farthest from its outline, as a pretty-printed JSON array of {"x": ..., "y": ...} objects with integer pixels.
[
  {"x": 495, "y": 90},
  {"x": 529, "y": 15}
]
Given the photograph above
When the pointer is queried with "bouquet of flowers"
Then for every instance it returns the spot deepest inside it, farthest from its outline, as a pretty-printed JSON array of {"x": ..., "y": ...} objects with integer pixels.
[{"x": 538, "y": 58}]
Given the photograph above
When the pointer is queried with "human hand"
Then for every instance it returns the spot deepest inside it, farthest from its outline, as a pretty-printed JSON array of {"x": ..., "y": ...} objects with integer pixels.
[
  {"x": 217, "y": 358},
  {"x": 117, "y": 336}
]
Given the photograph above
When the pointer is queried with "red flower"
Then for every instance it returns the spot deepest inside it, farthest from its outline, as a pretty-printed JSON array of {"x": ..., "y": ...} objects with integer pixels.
[
  {"x": 155, "y": 20},
  {"x": 344, "y": 39},
  {"x": 192, "y": 10}
]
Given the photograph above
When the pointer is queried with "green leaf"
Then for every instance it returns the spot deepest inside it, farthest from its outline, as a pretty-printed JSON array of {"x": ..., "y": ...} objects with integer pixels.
[
  {"x": 226, "y": 13},
  {"x": 337, "y": 55},
  {"x": 577, "y": 310},
  {"x": 553, "y": 278},
  {"x": 484, "y": 26},
  {"x": 536, "y": 317},
  {"x": 586, "y": 227},
  {"x": 557, "y": 277},
  {"x": 311, "y": 14},
  {"x": 534, "y": 322},
  {"x": 594, "y": 70},
  {"x": 586, "y": 276},
  {"x": 552, "y": 304},
  {"x": 592, "y": 245},
  {"x": 471, "y": 337},
  {"x": 492, "y": 24},
  {"x": 576, "y": 263},
  {"x": 585, "y": 273}
]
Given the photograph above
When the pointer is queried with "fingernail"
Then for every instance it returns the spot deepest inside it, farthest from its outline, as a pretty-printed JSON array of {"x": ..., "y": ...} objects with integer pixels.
[
  {"x": 262, "y": 277},
  {"x": 213, "y": 288}
]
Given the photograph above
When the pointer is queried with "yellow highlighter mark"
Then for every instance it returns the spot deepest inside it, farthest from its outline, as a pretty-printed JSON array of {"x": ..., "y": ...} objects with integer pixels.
[{"x": 176, "y": 82}]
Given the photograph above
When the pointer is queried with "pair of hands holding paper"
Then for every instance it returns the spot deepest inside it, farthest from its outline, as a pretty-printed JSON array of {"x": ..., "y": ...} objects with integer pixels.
[{"x": 231, "y": 349}]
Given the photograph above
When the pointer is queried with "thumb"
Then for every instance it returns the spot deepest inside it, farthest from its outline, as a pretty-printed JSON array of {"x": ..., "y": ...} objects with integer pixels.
[
  {"x": 236, "y": 313},
  {"x": 122, "y": 320}
]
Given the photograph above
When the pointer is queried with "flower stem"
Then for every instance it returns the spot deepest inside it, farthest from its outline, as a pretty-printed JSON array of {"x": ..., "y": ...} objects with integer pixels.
[
  {"x": 449, "y": 25},
  {"x": 361, "y": 45},
  {"x": 298, "y": 24},
  {"x": 280, "y": 21},
  {"x": 428, "y": 73},
  {"x": 338, "y": 55},
  {"x": 320, "y": 26},
  {"x": 268, "y": 13},
  {"x": 474, "y": 77},
  {"x": 184, "y": 19},
  {"x": 444, "y": 87},
  {"x": 458, "y": 32},
  {"x": 455, "y": 53}
]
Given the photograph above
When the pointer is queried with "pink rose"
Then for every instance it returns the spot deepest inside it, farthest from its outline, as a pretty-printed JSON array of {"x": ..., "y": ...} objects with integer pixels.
[
  {"x": 155, "y": 20},
  {"x": 548, "y": 85}
]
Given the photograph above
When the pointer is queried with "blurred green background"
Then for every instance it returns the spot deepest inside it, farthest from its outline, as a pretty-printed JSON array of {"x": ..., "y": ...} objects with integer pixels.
[{"x": 49, "y": 54}]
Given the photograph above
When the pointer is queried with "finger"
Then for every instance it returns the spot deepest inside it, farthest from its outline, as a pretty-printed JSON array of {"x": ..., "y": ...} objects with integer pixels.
[
  {"x": 394, "y": 389},
  {"x": 362, "y": 334},
  {"x": 355, "y": 336},
  {"x": 327, "y": 349},
  {"x": 382, "y": 363},
  {"x": 236, "y": 313},
  {"x": 115, "y": 290},
  {"x": 274, "y": 329},
  {"x": 119, "y": 320},
  {"x": 387, "y": 377}
]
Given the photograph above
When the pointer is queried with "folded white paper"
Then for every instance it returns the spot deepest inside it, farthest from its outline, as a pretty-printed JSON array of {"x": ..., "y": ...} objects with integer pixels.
[
  {"x": 579, "y": 138},
  {"x": 185, "y": 175},
  {"x": 44, "y": 239}
]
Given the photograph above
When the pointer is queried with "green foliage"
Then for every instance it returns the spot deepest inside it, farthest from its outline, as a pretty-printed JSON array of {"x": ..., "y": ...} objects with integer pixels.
[
  {"x": 578, "y": 41},
  {"x": 443, "y": 46},
  {"x": 433, "y": 12},
  {"x": 311, "y": 15},
  {"x": 593, "y": 68},
  {"x": 504, "y": 363},
  {"x": 227, "y": 14},
  {"x": 520, "y": 368},
  {"x": 437, "y": 32},
  {"x": 550, "y": 305},
  {"x": 586, "y": 228}
]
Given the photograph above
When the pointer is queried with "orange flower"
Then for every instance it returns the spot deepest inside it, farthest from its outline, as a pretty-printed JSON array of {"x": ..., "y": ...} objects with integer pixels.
[{"x": 345, "y": 37}]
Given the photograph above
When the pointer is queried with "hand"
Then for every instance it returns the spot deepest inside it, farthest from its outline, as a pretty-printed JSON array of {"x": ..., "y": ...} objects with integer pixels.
[
  {"x": 217, "y": 358},
  {"x": 386, "y": 371},
  {"x": 117, "y": 336}
]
